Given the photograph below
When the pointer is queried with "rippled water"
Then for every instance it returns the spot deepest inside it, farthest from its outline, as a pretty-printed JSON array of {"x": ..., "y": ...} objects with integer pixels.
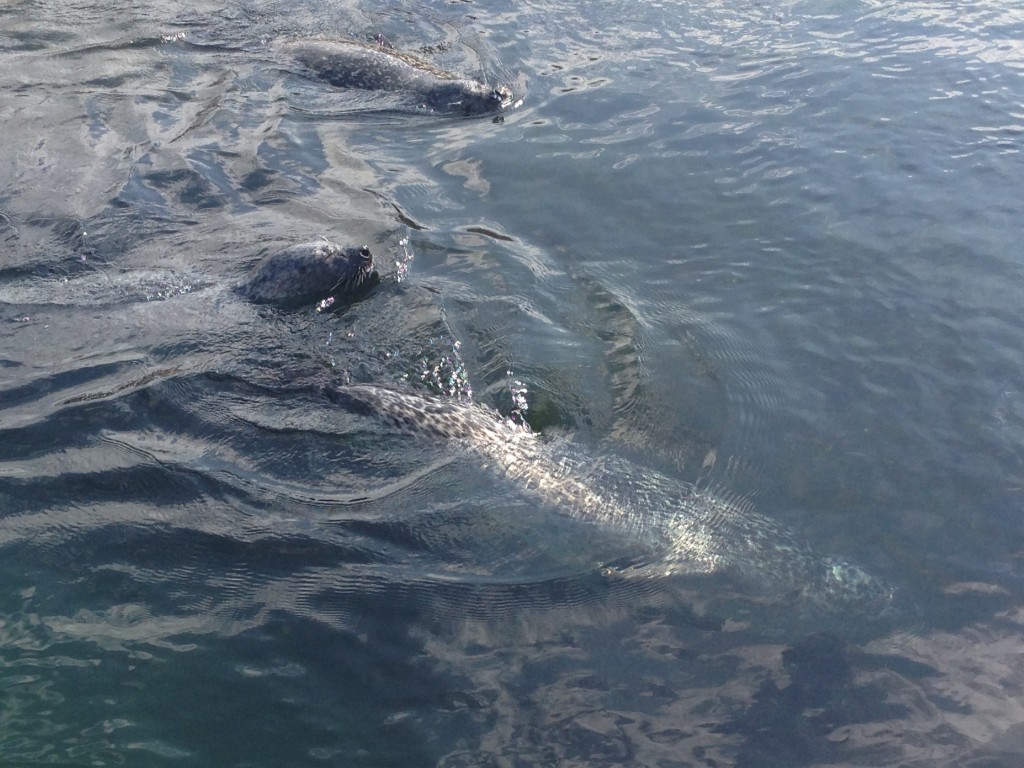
[{"x": 771, "y": 249}]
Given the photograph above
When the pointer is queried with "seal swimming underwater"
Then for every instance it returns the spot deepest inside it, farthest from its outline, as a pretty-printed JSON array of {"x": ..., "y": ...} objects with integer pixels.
[
  {"x": 688, "y": 530},
  {"x": 351, "y": 64}
]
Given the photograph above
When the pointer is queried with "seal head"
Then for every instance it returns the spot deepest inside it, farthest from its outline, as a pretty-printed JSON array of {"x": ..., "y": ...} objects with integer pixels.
[
  {"x": 308, "y": 273},
  {"x": 466, "y": 97}
]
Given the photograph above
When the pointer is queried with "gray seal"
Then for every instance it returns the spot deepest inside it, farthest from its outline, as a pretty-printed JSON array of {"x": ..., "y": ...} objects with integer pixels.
[
  {"x": 351, "y": 64},
  {"x": 686, "y": 529},
  {"x": 310, "y": 272},
  {"x": 317, "y": 272}
]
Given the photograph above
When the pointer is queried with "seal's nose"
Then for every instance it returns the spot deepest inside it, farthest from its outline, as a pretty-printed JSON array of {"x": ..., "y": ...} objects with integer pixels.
[{"x": 501, "y": 95}]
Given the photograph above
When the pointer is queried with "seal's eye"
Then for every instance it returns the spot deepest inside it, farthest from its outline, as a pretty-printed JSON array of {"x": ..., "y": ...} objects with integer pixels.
[{"x": 365, "y": 253}]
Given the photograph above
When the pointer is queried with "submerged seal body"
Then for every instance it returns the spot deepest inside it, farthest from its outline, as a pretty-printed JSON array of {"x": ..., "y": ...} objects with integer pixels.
[
  {"x": 308, "y": 273},
  {"x": 686, "y": 529},
  {"x": 350, "y": 64}
]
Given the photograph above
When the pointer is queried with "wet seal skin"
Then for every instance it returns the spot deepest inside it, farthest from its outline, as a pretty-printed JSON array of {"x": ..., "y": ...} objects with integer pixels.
[
  {"x": 310, "y": 272},
  {"x": 687, "y": 529},
  {"x": 379, "y": 67}
]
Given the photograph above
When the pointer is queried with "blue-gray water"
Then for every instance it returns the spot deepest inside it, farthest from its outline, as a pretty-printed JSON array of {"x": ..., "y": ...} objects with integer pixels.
[{"x": 771, "y": 248}]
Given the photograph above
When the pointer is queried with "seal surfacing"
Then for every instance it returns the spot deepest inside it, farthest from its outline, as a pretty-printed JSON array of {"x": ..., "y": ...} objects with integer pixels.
[
  {"x": 350, "y": 64},
  {"x": 308, "y": 273}
]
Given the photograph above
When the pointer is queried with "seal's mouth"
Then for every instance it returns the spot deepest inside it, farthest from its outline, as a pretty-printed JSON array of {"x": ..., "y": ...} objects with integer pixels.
[
  {"x": 360, "y": 271},
  {"x": 355, "y": 284},
  {"x": 366, "y": 260},
  {"x": 502, "y": 96},
  {"x": 364, "y": 270}
]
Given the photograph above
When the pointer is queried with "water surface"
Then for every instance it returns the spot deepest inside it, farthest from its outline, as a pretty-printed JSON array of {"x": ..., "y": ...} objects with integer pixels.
[{"x": 768, "y": 248}]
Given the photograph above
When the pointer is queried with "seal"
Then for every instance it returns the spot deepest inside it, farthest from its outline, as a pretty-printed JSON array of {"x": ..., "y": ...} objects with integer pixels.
[
  {"x": 687, "y": 529},
  {"x": 310, "y": 272},
  {"x": 318, "y": 272},
  {"x": 355, "y": 65}
]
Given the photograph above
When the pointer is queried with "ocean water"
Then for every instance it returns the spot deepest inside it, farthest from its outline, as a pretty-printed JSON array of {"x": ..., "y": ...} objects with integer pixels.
[{"x": 769, "y": 249}]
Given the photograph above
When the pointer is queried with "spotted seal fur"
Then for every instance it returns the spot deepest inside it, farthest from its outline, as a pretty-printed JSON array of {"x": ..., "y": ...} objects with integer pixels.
[
  {"x": 686, "y": 528},
  {"x": 308, "y": 273},
  {"x": 351, "y": 64},
  {"x": 302, "y": 274}
]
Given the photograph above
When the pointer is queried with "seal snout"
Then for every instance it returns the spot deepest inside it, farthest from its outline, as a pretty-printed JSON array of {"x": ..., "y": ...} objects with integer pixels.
[
  {"x": 364, "y": 265},
  {"x": 365, "y": 259},
  {"x": 502, "y": 96}
]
